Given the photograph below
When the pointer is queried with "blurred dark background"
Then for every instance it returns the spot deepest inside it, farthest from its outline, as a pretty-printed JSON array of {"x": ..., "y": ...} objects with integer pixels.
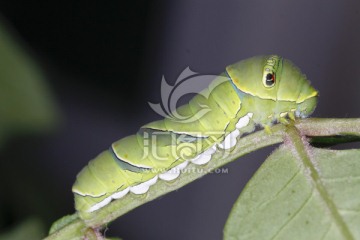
[{"x": 103, "y": 62}]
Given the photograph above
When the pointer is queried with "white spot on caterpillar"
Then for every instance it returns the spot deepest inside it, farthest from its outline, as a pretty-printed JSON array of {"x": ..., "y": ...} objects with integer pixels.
[
  {"x": 174, "y": 172},
  {"x": 143, "y": 187},
  {"x": 152, "y": 181},
  {"x": 201, "y": 159},
  {"x": 204, "y": 157},
  {"x": 182, "y": 165},
  {"x": 169, "y": 175},
  {"x": 230, "y": 140},
  {"x": 211, "y": 150},
  {"x": 244, "y": 121},
  {"x": 101, "y": 204},
  {"x": 120, "y": 194},
  {"x": 139, "y": 189}
]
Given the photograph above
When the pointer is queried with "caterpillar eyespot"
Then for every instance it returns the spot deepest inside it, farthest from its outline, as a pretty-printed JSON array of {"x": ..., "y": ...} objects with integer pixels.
[
  {"x": 255, "y": 91},
  {"x": 270, "y": 79}
]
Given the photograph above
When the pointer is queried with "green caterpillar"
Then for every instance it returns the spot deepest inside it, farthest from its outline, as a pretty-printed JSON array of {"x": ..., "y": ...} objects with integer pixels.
[{"x": 257, "y": 91}]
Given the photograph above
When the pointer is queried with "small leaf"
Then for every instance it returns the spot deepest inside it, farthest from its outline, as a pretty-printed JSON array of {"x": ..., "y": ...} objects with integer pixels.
[
  {"x": 32, "y": 229},
  {"x": 25, "y": 102},
  {"x": 311, "y": 194}
]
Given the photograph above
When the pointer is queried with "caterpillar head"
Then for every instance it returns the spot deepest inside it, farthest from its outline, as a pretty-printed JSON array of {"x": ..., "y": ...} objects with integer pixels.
[{"x": 273, "y": 77}]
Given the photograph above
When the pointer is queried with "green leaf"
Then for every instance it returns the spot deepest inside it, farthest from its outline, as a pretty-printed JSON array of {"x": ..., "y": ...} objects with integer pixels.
[
  {"x": 31, "y": 229},
  {"x": 300, "y": 192},
  {"x": 25, "y": 102}
]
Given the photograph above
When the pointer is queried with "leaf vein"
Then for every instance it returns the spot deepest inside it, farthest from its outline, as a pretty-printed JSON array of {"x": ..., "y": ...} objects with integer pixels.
[{"x": 294, "y": 215}]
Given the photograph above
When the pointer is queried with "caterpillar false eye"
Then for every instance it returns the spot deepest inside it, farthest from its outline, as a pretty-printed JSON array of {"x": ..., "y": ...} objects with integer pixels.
[
  {"x": 273, "y": 65},
  {"x": 270, "y": 79}
]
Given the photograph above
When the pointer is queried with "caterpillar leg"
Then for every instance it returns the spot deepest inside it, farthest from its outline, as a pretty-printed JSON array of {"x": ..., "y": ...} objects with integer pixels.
[
  {"x": 291, "y": 115},
  {"x": 267, "y": 129}
]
